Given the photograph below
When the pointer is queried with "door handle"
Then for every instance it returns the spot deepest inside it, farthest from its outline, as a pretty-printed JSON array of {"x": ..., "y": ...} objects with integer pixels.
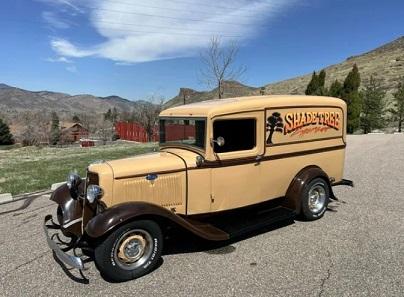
[{"x": 259, "y": 158}]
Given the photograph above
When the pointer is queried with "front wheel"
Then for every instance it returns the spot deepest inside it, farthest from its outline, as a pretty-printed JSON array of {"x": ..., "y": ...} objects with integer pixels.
[
  {"x": 315, "y": 198},
  {"x": 131, "y": 251}
]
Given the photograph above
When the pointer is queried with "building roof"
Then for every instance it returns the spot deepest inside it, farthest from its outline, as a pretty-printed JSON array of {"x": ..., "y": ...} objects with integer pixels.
[
  {"x": 76, "y": 125},
  {"x": 212, "y": 108}
]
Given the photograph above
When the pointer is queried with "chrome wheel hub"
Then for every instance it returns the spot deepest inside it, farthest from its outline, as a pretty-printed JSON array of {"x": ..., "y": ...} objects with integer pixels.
[
  {"x": 133, "y": 249},
  {"x": 317, "y": 198}
]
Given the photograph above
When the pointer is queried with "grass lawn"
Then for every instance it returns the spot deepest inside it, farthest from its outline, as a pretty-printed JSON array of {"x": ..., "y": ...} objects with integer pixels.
[{"x": 30, "y": 169}]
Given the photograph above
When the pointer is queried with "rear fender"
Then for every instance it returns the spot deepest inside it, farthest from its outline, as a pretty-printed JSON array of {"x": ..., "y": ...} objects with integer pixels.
[{"x": 298, "y": 183}]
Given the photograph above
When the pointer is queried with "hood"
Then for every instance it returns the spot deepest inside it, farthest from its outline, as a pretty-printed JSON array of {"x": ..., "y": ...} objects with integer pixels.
[{"x": 159, "y": 162}]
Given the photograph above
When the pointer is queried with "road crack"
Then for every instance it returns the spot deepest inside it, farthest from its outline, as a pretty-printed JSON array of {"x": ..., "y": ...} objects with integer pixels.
[
  {"x": 328, "y": 275},
  {"x": 24, "y": 264}
]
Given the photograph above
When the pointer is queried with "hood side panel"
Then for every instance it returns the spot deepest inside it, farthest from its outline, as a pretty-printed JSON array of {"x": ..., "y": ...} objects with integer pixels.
[{"x": 167, "y": 190}]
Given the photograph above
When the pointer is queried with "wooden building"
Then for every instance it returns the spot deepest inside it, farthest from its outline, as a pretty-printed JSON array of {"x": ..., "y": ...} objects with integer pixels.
[{"x": 74, "y": 133}]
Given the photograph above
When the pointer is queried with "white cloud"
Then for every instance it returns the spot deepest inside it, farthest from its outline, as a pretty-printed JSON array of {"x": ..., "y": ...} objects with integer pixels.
[
  {"x": 65, "y": 3},
  {"x": 71, "y": 68},
  {"x": 54, "y": 20},
  {"x": 140, "y": 31},
  {"x": 64, "y": 48},
  {"x": 59, "y": 60}
]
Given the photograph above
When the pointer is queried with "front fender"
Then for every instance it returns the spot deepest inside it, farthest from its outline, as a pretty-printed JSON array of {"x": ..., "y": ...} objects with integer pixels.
[
  {"x": 70, "y": 210},
  {"x": 119, "y": 214}
]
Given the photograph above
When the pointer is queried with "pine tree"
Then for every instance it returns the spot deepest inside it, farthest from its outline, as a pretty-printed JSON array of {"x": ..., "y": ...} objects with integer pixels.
[
  {"x": 321, "y": 84},
  {"x": 5, "y": 136},
  {"x": 55, "y": 130},
  {"x": 108, "y": 115},
  {"x": 76, "y": 118},
  {"x": 353, "y": 80},
  {"x": 316, "y": 85},
  {"x": 372, "y": 106},
  {"x": 114, "y": 115},
  {"x": 350, "y": 94},
  {"x": 313, "y": 84},
  {"x": 335, "y": 89},
  {"x": 398, "y": 110}
]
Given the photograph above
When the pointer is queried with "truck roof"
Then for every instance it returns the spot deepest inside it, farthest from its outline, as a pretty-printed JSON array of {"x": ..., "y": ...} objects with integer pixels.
[{"x": 212, "y": 108}]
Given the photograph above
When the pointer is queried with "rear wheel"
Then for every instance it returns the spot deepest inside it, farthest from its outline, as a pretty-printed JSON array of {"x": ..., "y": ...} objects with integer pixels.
[
  {"x": 131, "y": 251},
  {"x": 315, "y": 198}
]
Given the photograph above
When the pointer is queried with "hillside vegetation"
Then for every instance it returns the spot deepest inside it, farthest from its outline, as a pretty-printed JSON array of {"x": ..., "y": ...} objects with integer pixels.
[{"x": 385, "y": 63}]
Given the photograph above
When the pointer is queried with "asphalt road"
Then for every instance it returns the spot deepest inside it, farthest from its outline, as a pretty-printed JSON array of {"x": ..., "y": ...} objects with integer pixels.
[{"x": 355, "y": 250}]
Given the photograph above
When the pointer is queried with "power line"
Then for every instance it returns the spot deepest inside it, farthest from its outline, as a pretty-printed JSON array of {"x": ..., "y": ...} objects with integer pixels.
[
  {"x": 174, "y": 18},
  {"x": 177, "y": 32},
  {"x": 176, "y": 9},
  {"x": 165, "y": 27},
  {"x": 200, "y": 4},
  {"x": 171, "y": 33}
]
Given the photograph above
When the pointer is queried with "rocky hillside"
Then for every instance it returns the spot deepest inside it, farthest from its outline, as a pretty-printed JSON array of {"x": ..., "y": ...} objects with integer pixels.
[
  {"x": 385, "y": 62},
  {"x": 13, "y": 100},
  {"x": 231, "y": 89}
]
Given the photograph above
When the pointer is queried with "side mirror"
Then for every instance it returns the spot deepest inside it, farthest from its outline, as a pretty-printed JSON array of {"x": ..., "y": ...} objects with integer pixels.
[
  {"x": 219, "y": 141},
  {"x": 199, "y": 161}
]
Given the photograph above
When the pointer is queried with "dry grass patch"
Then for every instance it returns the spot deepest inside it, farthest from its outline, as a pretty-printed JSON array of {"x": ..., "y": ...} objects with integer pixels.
[{"x": 31, "y": 169}]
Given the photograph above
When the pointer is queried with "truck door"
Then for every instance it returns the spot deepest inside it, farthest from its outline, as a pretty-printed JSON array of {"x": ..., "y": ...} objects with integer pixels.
[{"x": 235, "y": 173}]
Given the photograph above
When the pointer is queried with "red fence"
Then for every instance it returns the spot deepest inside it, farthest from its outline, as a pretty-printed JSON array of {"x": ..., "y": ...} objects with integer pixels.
[
  {"x": 175, "y": 132},
  {"x": 134, "y": 132}
]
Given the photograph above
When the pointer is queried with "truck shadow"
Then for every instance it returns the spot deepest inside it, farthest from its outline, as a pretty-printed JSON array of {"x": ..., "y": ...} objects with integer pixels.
[{"x": 181, "y": 241}]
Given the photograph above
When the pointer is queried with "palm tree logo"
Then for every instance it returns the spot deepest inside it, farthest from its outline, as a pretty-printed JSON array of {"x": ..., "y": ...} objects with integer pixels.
[{"x": 274, "y": 124}]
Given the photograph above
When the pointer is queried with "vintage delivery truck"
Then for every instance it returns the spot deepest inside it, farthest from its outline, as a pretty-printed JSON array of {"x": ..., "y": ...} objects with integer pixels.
[{"x": 224, "y": 167}]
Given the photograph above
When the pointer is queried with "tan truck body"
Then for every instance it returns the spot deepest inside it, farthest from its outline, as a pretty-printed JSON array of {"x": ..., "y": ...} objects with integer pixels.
[{"x": 313, "y": 133}]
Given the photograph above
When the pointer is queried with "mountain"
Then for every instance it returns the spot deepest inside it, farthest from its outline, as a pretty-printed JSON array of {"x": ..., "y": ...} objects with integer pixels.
[
  {"x": 14, "y": 100},
  {"x": 385, "y": 62},
  {"x": 231, "y": 89}
]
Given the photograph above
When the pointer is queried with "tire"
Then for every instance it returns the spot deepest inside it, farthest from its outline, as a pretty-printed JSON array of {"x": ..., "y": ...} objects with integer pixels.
[
  {"x": 314, "y": 199},
  {"x": 130, "y": 252}
]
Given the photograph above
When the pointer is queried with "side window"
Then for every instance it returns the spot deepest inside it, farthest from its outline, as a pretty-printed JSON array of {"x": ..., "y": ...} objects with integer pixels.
[{"x": 239, "y": 135}]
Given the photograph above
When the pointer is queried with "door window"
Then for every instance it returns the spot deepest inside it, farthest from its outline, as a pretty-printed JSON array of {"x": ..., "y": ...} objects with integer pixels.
[{"x": 239, "y": 135}]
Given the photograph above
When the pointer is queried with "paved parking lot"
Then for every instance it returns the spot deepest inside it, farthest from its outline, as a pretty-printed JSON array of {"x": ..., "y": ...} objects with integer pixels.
[{"x": 357, "y": 249}]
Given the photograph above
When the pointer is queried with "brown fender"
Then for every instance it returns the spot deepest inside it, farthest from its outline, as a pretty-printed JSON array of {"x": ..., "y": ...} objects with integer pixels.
[
  {"x": 70, "y": 211},
  {"x": 129, "y": 211},
  {"x": 295, "y": 189}
]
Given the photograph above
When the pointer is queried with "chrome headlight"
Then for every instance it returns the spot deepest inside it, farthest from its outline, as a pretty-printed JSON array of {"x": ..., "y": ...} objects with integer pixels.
[
  {"x": 73, "y": 180},
  {"x": 94, "y": 192}
]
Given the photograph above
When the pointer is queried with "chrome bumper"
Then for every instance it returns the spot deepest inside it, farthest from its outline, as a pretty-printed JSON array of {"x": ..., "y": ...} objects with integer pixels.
[{"x": 70, "y": 260}]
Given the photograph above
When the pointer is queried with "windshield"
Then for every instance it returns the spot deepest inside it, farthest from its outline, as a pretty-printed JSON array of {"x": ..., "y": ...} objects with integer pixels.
[{"x": 188, "y": 131}]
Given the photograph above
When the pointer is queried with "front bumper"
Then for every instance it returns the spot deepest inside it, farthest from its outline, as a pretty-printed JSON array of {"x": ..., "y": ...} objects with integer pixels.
[{"x": 58, "y": 249}]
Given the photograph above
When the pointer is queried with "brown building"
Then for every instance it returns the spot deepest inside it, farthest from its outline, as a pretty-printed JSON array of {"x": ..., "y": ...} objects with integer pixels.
[{"x": 74, "y": 133}]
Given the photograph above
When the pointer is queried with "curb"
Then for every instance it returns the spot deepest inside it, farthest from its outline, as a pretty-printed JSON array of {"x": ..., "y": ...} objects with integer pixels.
[
  {"x": 5, "y": 198},
  {"x": 8, "y": 198},
  {"x": 56, "y": 185}
]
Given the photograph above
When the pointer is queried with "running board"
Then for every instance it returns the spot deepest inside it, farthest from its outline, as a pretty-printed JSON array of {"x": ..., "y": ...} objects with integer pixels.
[{"x": 237, "y": 224}]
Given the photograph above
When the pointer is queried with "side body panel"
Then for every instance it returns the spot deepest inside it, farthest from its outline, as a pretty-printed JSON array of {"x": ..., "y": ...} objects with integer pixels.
[{"x": 298, "y": 137}]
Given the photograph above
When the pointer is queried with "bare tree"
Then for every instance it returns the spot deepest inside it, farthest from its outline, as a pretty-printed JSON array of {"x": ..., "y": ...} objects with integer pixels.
[
  {"x": 219, "y": 64},
  {"x": 105, "y": 131},
  {"x": 36, "y": 128},
  {"x": 147, "y": 113}
]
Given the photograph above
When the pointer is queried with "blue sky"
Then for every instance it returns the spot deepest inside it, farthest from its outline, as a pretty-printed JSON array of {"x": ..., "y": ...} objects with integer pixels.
[{"x": 137, "y": 48}]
